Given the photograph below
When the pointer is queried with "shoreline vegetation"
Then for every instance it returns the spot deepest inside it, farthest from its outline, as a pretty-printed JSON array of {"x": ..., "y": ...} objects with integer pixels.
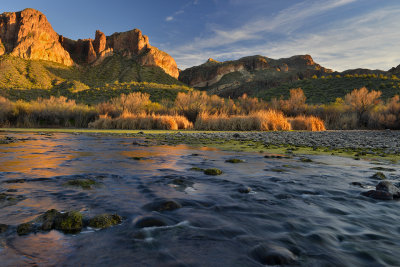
[
  {"x": 195, "y": 110},
  {"x": 357, "y": 144}
]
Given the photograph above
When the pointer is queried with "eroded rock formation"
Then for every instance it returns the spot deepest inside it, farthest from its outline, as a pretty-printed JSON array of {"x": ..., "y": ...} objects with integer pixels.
[{"x": 28, "y": 34}]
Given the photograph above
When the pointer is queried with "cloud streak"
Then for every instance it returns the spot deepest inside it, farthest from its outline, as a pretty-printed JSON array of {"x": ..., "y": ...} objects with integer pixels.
[
  {"x": 366, "y": 40},
  {"x": 181, "y": 10}
]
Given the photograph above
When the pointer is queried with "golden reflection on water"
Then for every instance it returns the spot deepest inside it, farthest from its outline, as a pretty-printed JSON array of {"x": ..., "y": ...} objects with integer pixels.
[
  {"x": 40, "y": 156},
  {"x": 53, "y": 244}
]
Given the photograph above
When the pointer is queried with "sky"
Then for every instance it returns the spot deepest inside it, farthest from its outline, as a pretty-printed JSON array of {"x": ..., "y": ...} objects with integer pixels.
[{"x": 338, "y": 34}]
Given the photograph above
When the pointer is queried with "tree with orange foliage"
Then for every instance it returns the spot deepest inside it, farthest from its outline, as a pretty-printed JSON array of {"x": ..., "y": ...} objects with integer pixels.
[
  {"x": 296, "y": 104},
  {"x": 362, "y": 101}
]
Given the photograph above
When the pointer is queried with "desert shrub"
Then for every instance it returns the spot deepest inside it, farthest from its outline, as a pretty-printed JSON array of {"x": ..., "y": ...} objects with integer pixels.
[
  {"x": 386, "y": 116},
  {"x": 55, "y": 111},
  {"x": 258, "y": 121},
  {"x": 142, "y": 122},
  {"x": 307, "y": 123},
  {"x": 248, "y": 105},
  {"x": 107, "y": 108},
  {"x": 191, "y": 104},
  {"x": 296, "y": 104},
  {"x": 134, "y": 102},
  {"x": 6, "y": 110}
]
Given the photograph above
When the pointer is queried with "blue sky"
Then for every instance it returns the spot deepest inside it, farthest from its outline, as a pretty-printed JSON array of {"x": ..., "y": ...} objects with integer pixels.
[{"x": 339, "y": 34}]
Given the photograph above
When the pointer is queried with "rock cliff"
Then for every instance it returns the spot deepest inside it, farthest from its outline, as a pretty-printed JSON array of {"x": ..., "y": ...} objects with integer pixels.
[{"x": 28, "y": 34}]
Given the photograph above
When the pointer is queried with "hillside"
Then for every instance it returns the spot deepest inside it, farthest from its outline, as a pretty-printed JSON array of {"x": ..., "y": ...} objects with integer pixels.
[
  {"x": 29, "y": 79},
  {"x": 327, "y": 89}
]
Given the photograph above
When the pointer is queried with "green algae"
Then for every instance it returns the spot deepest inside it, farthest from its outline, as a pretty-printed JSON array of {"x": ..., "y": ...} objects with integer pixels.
[
  {"x": 83, "y": 183},
  {"x": 213, "y": 171},
  {"x": 69, "y": 222},
  {"x": 105, "y": 220}
]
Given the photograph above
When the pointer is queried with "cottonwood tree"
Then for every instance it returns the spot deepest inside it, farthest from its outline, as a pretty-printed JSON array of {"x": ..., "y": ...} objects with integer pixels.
[{"x": 362, "y": 102}]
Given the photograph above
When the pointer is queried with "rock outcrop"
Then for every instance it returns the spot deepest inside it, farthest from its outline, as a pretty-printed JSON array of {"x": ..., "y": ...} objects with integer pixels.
[
  {"x": 28, "y": 34},
  {"x": 130, "y": 44}
]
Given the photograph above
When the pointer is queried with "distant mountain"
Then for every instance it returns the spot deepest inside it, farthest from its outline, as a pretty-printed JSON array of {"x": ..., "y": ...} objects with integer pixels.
[
  {"x": 28, "y": 34},
  {"x": 233, "y": 78},
  {"x": 267, "y": 78}
]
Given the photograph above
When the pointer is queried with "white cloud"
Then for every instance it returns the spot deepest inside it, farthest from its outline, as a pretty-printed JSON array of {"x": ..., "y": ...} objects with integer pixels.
[{"x": 170, "y": 18}]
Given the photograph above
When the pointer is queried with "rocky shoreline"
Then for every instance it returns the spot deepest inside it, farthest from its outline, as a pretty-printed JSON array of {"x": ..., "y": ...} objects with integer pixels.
[{"x": 387, "y": 141}]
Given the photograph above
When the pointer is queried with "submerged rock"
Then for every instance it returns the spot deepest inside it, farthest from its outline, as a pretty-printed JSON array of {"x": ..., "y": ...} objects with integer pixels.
[
  {"x": 383, "y": 169},
  {"x": 244, "y": 190},
  {"x": 213, "y": 171},
  {"x": 163, "y": 205},
  {"x": 196, "y": 169},
  {"x": 9, "y": 199},
  {"x": 48, "y": 219},
  {"x": 234, "y": 161},
  {"x": 105, "y": 220},
  {"x": 83, "y": 183},
  {"x": 378, "y": 194},
  {"x": 25, "y": 228},
  {"x": 3, "y": 228},
  {"x": 305, "y": 160},
  {"x": 150, "y": 221},
  {"x": 385, "y": 190},
  {"x": 389, "y": 187},
  {"x": 379, "y": 176},
  {"x": 272, "y": 255},
  {"x": 69, "y": 222}
]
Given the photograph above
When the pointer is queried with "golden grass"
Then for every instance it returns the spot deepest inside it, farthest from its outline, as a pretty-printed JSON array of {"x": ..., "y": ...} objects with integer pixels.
[
  {"x": 309, "y": 123},
  {"x": 269, "y": 120},
  {"x": 142, "y": 121}
]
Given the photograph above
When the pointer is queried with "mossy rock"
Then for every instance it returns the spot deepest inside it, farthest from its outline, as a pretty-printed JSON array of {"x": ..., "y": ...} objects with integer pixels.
[
  {"x": 69, "y": 222},
  {"x": 25, "y": 228},
  {"x": 48, "y": 219},
  {"x": 105, "y": 220},
  {"x": 234, "y": 161},
  {"x": 83, "y": 183},
  {"x": 379, "y": 176},
  {"x": 213, "y": 171}
]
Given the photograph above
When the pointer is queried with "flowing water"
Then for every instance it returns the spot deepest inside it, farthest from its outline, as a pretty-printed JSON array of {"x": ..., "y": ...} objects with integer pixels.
[{"x": 308, "y": 208}]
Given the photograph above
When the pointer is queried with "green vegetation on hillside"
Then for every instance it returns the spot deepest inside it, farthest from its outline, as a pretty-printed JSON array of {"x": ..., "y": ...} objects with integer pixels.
[
  {"x": 327, "y": 89},
  {"x": 116, "y": 75}
]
